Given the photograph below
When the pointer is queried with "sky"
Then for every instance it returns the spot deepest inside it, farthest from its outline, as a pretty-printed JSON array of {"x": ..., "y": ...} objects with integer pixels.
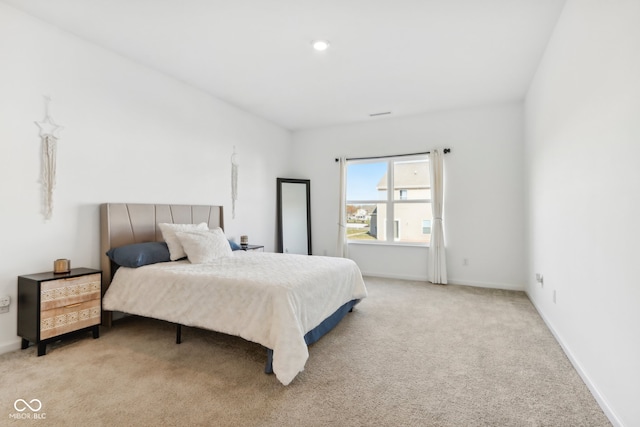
[{"x": 362, "y": 179}]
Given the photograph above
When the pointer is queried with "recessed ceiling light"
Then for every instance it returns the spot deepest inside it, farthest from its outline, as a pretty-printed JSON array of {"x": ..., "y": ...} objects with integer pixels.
[{"x": 320, "y": 45}]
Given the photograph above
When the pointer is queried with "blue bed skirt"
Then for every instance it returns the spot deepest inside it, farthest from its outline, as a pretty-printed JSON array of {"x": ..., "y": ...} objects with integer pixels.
[{"x": 316, "y": 333}]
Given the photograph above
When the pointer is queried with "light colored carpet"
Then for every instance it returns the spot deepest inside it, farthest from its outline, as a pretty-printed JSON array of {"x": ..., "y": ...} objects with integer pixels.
[{"x": 412, "y": 354}]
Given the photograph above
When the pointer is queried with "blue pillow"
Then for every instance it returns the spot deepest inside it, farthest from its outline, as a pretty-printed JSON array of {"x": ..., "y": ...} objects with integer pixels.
[
  {"x": 234, "y": 246},
  {"x": 139, "y": 254}
]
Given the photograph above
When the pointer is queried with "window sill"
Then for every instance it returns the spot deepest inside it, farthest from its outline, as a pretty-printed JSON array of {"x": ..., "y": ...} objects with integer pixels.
[{"x": 377, "y": 243}]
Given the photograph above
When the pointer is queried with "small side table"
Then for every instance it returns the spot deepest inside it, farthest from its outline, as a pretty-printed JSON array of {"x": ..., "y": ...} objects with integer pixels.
[
  {"x": 51, "y": 305},
  {"x": 253, "y": 248}
]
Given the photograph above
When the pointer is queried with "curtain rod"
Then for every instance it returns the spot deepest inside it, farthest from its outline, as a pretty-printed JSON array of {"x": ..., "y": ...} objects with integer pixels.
[{"x": 446, "y": 150}]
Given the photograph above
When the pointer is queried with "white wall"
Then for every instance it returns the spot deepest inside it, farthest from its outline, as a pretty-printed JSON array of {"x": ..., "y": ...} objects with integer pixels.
[
  {"x": 582, "y": 151},
  {"x": 484, "y": 218},
  {"x": 130, "y": 135}
]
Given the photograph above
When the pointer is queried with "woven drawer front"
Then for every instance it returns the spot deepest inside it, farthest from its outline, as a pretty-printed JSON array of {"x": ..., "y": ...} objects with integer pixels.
[
  {"x": 70, "y": 318},
  {"x": 64, "y": 292}
]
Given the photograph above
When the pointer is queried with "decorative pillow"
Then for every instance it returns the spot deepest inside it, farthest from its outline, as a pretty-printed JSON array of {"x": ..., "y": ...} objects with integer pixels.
[
  {"x": 204, "y": 246},
  {"x": 139, "y": 254},
  {"x": 234, "y": 246},
  {"x": 169, "y": 235}
]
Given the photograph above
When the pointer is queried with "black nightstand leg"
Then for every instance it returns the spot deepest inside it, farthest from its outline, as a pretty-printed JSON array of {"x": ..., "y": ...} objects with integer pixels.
[
  {"x": 25, "y": 343},
  {"x": 42, "y": 349},
  {"x": 96, "y": 331}
]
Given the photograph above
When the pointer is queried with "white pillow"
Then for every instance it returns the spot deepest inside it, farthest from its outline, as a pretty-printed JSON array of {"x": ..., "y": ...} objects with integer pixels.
[
  {"x": 169, "y": 235},
  {"x": 203, "y": 246}
]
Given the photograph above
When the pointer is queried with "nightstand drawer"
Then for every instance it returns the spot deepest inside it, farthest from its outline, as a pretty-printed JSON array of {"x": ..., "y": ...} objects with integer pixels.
[
  {"x": 69, "y": 318},
  {"x": 65, "y": 292}
]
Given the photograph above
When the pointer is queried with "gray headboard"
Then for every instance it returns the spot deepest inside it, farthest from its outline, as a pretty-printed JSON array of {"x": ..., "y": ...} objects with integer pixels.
[{"x": 125, "y": 223}]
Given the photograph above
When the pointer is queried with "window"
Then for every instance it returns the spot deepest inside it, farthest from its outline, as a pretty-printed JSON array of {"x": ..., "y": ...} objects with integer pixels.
[{"x": 388, "y": 200}]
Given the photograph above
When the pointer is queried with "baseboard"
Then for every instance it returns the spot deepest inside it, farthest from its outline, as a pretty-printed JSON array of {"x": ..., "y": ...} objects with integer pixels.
[
  {"x": 602, "y": 401},
  {"x": 505, "y": 286},
  {"x": 10, "y": 346},
  {"x": 395, "y": 276}
]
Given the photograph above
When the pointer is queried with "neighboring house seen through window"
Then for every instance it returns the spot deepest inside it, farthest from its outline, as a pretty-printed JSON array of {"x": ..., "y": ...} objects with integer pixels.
[{"x": 389, "y": 200}]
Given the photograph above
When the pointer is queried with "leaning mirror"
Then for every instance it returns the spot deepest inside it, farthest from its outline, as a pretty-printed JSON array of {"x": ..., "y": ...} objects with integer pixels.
[{"x": 294, "y": 216}]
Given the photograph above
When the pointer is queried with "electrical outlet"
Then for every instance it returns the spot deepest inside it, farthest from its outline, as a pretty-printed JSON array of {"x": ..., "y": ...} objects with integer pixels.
[
  {"x": 540, "y": 279},
  {"x": 465, "y": 262},
  {"x": 5, "y": 302}
]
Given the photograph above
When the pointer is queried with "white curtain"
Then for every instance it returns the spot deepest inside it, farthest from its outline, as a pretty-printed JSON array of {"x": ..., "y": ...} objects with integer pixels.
[
  {"x": 342, "y": 215},
  {"x": 437, "y": 258}
]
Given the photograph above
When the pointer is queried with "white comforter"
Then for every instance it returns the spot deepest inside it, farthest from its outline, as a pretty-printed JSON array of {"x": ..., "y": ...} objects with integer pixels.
[{"x": 271, "y": 299}]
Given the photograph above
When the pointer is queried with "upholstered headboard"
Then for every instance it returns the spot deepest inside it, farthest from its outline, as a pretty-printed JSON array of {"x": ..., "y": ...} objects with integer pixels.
[{"x": 125, "y": 223}]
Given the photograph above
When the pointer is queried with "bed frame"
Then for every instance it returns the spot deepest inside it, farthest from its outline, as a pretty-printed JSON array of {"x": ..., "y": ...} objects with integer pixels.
[{"x": 126, "y": 223}]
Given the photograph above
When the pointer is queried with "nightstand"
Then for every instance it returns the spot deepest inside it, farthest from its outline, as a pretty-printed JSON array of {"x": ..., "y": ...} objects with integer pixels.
[
  {"x": 52, "y": 305},
  {"x": 253, "y": 248}
]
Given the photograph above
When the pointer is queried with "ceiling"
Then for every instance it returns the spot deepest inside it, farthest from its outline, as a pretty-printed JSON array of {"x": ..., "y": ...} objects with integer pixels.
[{"x": 402, "y": 56}]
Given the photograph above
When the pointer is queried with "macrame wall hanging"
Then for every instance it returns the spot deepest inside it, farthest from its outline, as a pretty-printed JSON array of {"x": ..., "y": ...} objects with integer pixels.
[
  {"x": 234, "y": 182},
  {"x": 49, "y": 138}
]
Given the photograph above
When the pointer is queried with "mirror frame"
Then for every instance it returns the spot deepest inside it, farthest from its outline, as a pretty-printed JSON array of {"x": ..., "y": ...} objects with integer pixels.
[{"x": 307, "y": 184}]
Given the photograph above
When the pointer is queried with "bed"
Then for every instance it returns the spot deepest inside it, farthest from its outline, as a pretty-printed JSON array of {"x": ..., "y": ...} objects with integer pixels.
[{"x": 283, "y": 302}]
